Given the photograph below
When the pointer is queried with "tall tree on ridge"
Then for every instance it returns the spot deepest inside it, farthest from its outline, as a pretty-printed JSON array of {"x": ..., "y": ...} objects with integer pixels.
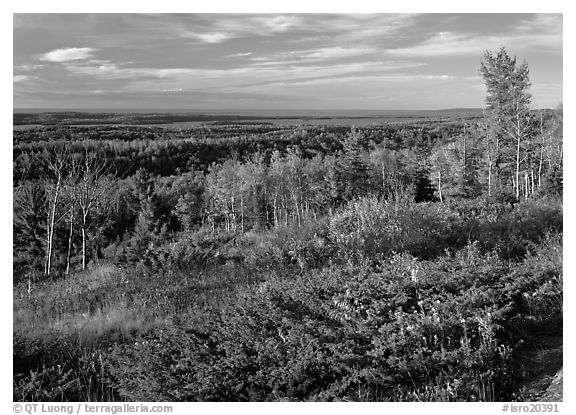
[{"x": 507, "y": 107}]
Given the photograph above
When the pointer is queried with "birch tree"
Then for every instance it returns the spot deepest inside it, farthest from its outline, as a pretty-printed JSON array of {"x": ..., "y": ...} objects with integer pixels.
[
  {"x": 56, "y": 164},
  {"x": 90, "y": 192}
]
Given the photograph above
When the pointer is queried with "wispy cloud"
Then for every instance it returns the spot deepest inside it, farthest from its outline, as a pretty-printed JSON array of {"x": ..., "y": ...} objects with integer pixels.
[
  {"x": 284, "y": 65},
  {"x": 540, "y": 31},
  {"x": 376, "y": 79},
  {"x": 239, "y": 55},
  {"x": 542, "y": 23},
  {"x": 360, "y": 29},
  {"x": 214, "y": 37},
  {"x": 67, "y": 54},
  {"x": 338, "y": 28},
  {"x": 335, "y": 52},
  {"x": 312, "y": 56},
  {"x": 443, "y": 44},
  {"x": 23, "y": 78},
  {"x": 28, "y": 67},
  {"x": 278, "y": 23},
  {"x": 213, "y": 29}
]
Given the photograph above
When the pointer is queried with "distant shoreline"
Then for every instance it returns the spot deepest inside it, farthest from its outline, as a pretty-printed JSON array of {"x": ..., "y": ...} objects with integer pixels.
[
  {"x": 28, "y": 117},
  {"x": 289, "y": 113}
]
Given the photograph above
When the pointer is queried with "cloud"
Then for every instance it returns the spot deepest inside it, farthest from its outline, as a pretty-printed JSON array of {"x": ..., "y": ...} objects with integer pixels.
[
  {"x": 443, "y": 44},
  {"x": 360, "y": 28},
  {"x": 547, "y": 23},
  {"x": 311, "y": 56},
  {"x": 376, "y": 78},
  {"x": 220, "y": 28},
  {"x": 337, "y": 28},
  {"x": 214, "y": 37},
  {"x": 28, "y": 67},
  {"x": 278, "y": 23},
  {"x": 23, "y": 78},
  {"x": 106, "y": 70},
  {"x": 542, "y": 31},
  {"x": 68, "y": 54},
  {"x": 239, "y": 55},
  {"x": 251, "y": 75},
  {"x": 107, "y": 67},
  {"x": 335, "y": 52}
]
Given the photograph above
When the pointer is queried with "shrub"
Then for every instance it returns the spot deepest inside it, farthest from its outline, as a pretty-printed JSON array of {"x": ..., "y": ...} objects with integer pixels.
[
  {"x": 370, "y": 228},
  {"x": 407, "y": 329}
]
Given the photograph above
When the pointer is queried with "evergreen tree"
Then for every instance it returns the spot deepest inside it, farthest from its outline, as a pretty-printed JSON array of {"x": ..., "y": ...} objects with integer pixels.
[
  {"x": 145, "y": 234},
  {"x": 355, "y": 178},
  {"x": 29, "y": 227},
  {"x": 508, "y": 111},
  {"x": 422, "y": 188}
]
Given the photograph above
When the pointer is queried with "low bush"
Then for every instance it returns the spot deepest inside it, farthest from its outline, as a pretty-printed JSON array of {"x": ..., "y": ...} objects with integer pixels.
[
  {"x": 369, "y": 228},
  {"x": 405, "y": 330}
]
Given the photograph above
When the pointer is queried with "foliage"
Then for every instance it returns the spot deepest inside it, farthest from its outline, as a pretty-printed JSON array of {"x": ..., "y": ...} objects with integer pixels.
[
  {"x": 405, "y": 330},
  {"x": 369, "y": 228},
  {"x": 510, "y": 119}
]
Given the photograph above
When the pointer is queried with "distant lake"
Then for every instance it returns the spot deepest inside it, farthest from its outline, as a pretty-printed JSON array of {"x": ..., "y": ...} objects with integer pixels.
[{"x": 361, "y": 122}]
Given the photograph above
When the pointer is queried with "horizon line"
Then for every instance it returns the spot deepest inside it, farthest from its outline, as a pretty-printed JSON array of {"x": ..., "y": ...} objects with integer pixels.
[{"x": 84, "y": 109}]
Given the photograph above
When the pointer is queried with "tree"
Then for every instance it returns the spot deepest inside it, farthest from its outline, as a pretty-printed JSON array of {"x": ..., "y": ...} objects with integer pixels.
[
  {"x": 508, "y": 110},
  {"x": 440, "y": 168},
  {"x": 56, "y": 164},
  {"x": 90, "y": 194},
  {"x": 188, "y": 210},
  {"x": 388, "y": 172},
  {"x": 70, "y": 196},
  {"x": 422, "y": 187},
  {"x": 254, "y": 175},
  {"x": 223, "y": 187},
  {"x": 29, "y": 238},
  {"x": 550, "y": 152},
  {"x": 355, "y": 179}
]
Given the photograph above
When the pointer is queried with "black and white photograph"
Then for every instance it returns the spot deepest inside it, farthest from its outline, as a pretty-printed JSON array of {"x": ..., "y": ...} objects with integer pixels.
[{"x": 287, "y": 207}]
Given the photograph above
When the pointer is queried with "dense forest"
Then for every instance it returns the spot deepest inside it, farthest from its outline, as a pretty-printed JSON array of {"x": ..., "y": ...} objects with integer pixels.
[{"x": 413, "y": 260}]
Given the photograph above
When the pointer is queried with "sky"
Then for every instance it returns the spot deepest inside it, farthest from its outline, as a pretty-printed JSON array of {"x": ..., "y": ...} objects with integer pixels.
[{"x": 275, "y": 61}]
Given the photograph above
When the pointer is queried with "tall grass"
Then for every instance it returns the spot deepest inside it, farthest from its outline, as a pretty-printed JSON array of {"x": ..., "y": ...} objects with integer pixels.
[{"x": 62, "y": 327}]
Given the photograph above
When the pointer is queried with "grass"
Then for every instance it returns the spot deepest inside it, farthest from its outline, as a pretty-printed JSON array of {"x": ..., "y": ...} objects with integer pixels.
[{"x": 62, "y": 327}]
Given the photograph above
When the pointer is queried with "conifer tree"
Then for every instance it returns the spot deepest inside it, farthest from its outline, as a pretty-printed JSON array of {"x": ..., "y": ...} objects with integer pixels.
[
  {"x": 508, "y": 112},
  {"x": 355, "y": 178},
  {"x": 29, "y": 231},
  {"x": 422, "y": 187}
]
